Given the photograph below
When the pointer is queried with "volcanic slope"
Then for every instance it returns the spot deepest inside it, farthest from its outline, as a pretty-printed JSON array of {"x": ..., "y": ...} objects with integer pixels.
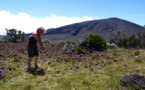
[{"x": 100, "y": 27}]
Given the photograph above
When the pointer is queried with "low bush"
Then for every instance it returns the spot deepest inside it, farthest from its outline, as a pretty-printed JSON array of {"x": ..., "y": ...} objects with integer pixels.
[
  {"x": 137, "y": 53},
  {"x": 93, "y": 41},
  {"x": 111, "y": 45},
  {"x": 71, "y": 42},
  {"x": 46, "y": 41},
  {"x": 69, "y": 48},
  {"x": 80, "y": 50}
]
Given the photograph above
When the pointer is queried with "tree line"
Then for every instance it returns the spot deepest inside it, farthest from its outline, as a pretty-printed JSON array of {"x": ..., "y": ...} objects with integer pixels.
[{"x": 13, "y": 35}]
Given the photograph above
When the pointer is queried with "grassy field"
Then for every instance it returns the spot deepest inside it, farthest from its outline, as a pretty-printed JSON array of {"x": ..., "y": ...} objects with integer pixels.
[{"x": 90, "y": 71}]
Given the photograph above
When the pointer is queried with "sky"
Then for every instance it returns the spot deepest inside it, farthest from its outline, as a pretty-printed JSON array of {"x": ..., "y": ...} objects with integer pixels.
[{"x": 28, "y": 15}]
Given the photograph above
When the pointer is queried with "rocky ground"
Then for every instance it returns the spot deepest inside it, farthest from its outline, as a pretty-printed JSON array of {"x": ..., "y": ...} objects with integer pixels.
[{"x": 91, "y": 70}]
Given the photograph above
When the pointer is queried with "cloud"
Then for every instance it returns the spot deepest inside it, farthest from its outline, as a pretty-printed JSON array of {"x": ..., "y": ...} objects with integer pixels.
[{"x": 24, "y": 22}]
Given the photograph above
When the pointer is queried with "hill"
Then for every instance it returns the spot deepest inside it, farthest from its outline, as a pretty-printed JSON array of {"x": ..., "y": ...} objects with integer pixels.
[{"x": 101, "y": 27}]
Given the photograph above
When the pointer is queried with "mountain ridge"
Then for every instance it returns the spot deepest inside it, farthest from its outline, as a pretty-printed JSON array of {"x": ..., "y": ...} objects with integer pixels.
[{"x": 100, "y": 27}]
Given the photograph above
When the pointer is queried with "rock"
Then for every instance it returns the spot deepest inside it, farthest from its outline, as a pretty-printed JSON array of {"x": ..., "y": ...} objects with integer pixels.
[
  {"x": 2, "y": 73},
  {"x": 142, "y": 83},
  {"x": 136, "y": 81}
]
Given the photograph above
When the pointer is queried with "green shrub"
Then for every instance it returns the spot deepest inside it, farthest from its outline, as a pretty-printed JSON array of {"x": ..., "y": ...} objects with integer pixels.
[
  {"x": 137, "y": 53},
  {"x": 139, "y": 60},
  {"x": 80, "y": 50},
  {"x": 136, "y": 87},
  {"x": 70, "y": 42},
  {"x": 128, "y": 42},
  {"x": 46, "y": 41},
  {"x": 129, "y": 38},
  {"x": 93, "y": 41},
  {"x": 27, "y": 87}
]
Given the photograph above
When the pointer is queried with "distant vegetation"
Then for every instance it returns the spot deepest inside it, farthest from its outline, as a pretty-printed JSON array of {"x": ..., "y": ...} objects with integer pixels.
[
  {"x": 136, "y": 40},
  {"x": 112, "y": 40},
  {"x": 13, "y": 35},
  {"x": 90, "y": 42}
]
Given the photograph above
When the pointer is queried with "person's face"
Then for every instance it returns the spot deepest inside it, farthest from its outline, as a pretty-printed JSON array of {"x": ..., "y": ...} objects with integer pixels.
[{"x": 40, "y": 32}]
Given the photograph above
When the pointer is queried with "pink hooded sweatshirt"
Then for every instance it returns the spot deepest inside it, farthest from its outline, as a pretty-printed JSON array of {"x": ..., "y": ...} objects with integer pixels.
[{"x": 32, "y": 39}]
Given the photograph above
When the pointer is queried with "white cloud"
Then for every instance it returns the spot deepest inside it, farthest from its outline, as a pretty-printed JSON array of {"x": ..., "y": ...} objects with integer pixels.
[{"x": 28, "y": 24}]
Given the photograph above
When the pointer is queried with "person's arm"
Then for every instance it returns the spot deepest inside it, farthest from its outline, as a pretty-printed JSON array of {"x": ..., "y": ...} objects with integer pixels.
[{"x": 39, "y": 41}]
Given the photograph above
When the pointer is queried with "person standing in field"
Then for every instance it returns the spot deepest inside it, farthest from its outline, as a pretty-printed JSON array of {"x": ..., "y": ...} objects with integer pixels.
[{"x": 32, "y": 47}]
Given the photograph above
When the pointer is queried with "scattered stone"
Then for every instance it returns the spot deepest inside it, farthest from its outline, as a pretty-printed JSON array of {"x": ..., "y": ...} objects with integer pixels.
[
  {"x": 48, "y": 70},
  {"x": 2, "y": 73},
  {"x": 136, "y": 81}
]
